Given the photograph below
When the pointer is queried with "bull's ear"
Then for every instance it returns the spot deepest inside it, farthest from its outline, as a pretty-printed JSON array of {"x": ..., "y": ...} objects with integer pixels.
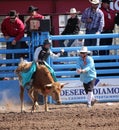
[
  {"x": 48, "y": 86},
  {"x": 62, "y": 84}
]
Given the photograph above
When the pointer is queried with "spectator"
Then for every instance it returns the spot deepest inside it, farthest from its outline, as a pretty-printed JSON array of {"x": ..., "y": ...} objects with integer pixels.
[
  {"x": 41, "y": 55},
  {"x": 33, "y": 15},
  {"x": 77, "y": 43},
  {"x": 86, "y": 69},
  {"x": 12, "y": 26},
  {"x": 72, "y": 26},
  {"x": 109, "y": 17},
  {"x": 117, "y": 19},
  {"x": 93, "y": 18}
]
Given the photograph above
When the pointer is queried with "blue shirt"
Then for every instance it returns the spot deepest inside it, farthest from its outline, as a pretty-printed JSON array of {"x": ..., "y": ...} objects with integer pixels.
[
  {"x": 89, "y": 67},
  {"x": 97, "y": 19}
]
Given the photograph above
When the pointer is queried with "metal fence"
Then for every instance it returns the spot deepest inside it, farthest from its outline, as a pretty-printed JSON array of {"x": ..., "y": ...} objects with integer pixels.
[
  {"x": 106, "y": 65},
  {"x": 63, "y": 66},
  {"x": 7, "y": 70}
]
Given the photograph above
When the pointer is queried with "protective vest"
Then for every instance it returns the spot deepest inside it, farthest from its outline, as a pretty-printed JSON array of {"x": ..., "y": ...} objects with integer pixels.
[{"x": 43, "y": 54}]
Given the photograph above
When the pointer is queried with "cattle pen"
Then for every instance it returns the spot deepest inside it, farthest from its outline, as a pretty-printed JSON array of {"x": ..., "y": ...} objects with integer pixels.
[{"x": 72, "y": 114}]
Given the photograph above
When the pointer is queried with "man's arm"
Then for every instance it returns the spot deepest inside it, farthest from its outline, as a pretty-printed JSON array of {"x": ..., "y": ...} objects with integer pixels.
[
  {"x": 101, "y": 25},
  {"x": 3, "y": 28},
  {"x": 84, "y": 16},
  {"x": 36, "y": 53},
  {"x": 90, "y": 64},
  {"x": 21, "y": 28},
  {"x": 66, "y": 28},
  {"x": 77, "y": 27},
  {"x": 53, "y": 55}
]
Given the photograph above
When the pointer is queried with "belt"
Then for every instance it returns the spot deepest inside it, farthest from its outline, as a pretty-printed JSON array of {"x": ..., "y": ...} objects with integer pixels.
[
  {"x": 107, "y": 30},
  {"x": 91, "y": 29}
]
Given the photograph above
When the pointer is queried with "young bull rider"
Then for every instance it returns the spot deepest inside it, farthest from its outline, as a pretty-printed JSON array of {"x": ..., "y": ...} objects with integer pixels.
[
  {"x": 42, "y": 53},
  {"x": 86, "y": 69}
]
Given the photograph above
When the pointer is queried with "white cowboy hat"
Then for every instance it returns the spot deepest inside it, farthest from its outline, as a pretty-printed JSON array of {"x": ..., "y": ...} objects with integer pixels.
[
  {"x": 94, "y": 1},
  {"x": 73, "y": 11},
  {"x": 84, "y": 49}
]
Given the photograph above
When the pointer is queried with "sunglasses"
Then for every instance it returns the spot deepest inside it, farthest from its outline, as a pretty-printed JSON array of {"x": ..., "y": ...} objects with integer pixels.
[
  {"x": 95, "y": 4},
  {"x": 13, "y": 18},
  {"x": 82, "y": 52}
]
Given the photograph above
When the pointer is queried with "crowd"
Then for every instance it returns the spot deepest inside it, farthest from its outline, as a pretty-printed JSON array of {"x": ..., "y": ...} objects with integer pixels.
[{"x": 97, "y": 20}]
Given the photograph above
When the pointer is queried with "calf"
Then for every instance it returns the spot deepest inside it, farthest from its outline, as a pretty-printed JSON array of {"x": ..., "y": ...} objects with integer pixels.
[{"x": 43, "y": 83}]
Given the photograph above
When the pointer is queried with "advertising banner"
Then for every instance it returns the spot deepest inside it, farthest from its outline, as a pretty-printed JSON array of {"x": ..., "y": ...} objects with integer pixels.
[
  {"x": 115, "y": 5},
  {"x": 106, "y": 90}
]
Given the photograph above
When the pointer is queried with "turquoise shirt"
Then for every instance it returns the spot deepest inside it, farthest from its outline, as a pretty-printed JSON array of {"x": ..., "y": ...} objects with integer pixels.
[{"x": 90, "y": 73}]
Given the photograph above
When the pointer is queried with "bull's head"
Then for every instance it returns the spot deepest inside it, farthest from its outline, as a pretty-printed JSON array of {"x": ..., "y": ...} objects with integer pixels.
[
  {"x": 23, "y": 66},
  {"x": 54, "y": 90}
]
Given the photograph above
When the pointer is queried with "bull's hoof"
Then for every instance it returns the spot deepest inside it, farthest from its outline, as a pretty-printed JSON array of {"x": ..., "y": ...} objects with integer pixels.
[
  {"x": 23, "y": 110},
  {"x": 47, "y": 110},
  {"x": 58, "y": 103},
  {"x": 32, "y": 111},
  {"x": 36, "y": 107}
]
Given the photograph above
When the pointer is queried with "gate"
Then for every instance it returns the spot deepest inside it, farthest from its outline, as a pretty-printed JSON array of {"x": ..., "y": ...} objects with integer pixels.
[
  {"x": 9, "y": 89},
  {"x": 107, "y": 67},
  {"x": 65, "y": 68}
]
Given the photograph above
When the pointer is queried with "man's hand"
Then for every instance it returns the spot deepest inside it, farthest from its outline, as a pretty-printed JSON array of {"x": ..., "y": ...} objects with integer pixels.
[
  {"x": 62, "y": 51},
  {"x": 7, "y": 37},
  {"x": 41, "y": 62},
  {"x": 80, "y": 71},
  {"x": 14, "y": 42},
  {"x": 89, "y": 20},
  {"x": 97, "y": 32}
]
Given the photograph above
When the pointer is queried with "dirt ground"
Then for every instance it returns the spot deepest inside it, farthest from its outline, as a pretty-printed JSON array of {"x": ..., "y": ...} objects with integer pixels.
[{"x": 102, "y": 116}]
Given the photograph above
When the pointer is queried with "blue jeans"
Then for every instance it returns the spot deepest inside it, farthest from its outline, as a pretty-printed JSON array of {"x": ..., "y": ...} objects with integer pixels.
[
  {"x": 10, "y": 46},
  {"x": 61, "y": 42},
  {"x": 105, "y": 41},
  {"x": 91, "y": 42},
  {"x": 70, "y": 43},
  {"x": 15, "y": 56}
]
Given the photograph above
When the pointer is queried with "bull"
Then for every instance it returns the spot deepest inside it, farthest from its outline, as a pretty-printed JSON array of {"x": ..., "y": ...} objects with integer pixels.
[{"x": 42, "y": 83}]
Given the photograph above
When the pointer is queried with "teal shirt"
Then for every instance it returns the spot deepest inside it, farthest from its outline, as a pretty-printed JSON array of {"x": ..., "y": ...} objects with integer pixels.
[{"x": 90, "y": 73}]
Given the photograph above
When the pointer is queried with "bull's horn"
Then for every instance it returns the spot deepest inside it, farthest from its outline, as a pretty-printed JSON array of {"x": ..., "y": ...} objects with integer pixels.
[{"x": 48, "y": 85}]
